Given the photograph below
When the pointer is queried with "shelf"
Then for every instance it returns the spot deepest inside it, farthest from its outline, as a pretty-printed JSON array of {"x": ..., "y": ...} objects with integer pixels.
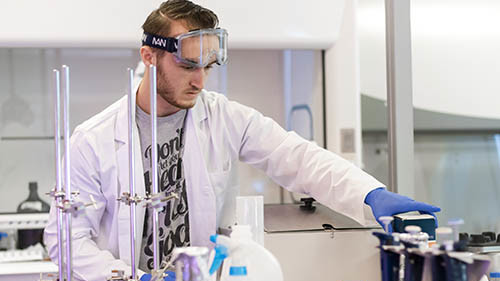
[
  {"x": 16, "y": 138},
  {"x": 25, "y": 255},
  {"x": 14, "y": 268},
  {"x": 23, "y": 221}
]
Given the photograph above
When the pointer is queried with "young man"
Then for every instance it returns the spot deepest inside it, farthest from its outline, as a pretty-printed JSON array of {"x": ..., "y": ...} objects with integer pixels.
[{"x": 201, "y": 135}]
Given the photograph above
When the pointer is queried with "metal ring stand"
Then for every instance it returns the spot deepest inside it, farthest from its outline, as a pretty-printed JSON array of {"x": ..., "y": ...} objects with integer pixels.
[
  {"x": 66, "y": 204},
  {"x": 156, "y": 200}
]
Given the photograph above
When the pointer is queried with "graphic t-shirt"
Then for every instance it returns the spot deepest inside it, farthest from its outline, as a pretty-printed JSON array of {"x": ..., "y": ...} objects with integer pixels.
[{"x": 173, "y": 223}]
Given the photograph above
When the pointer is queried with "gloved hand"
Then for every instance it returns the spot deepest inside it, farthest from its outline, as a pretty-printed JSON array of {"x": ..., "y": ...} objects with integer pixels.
[
  {"x": 386, "y": 203},
  {"x": 170, "y": 276}
]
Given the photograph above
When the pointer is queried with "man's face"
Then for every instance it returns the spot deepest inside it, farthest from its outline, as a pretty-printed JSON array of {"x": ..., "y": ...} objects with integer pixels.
[{"x": 178, "y": 83}]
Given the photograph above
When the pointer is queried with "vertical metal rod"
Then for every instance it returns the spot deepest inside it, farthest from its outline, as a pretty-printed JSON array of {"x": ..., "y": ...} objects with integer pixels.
[
  {"x": 67, "y": 175},
  {"x": 391, "y": 136},
  {"x": 399, "y": 96},
  {"x": 57, "y": 138},
  {"x": 131, "y": 168},
  {"x": 287, "y": 96},
  {"x": 323, "y": 97},
  {"x": 154, "y": 161}
]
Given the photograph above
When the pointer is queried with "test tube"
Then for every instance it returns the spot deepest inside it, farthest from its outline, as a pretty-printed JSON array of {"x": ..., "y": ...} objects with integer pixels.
[{"x": 154, "y": 159}]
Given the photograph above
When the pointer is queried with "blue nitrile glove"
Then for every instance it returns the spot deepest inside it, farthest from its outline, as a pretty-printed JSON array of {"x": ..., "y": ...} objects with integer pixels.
[
  {"x": 170, "y": 276},
  {"x": 386, "y": 203}
]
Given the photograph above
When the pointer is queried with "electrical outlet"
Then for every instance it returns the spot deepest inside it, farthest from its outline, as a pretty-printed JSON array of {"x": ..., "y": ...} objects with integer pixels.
[{"x": 347, "y": 141}]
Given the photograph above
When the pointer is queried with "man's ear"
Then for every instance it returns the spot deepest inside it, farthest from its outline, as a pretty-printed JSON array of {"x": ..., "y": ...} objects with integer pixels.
[{"x": 148, "y": 56}]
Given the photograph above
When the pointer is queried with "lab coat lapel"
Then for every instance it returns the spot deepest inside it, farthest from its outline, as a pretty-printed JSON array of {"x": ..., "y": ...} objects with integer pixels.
[
  {"x": 121, "y": 140},
  {"x": 201, "y": 196}
]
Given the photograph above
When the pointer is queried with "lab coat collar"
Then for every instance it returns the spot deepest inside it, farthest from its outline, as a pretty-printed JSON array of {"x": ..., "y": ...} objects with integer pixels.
[
  {"x": 122, "y": 160},
  {"x": 198, "y": 111},
  {"x": 121, "y": 127}
]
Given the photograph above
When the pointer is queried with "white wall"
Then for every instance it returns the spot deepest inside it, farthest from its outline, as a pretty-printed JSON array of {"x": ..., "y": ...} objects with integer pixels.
[
  {"x": 455, "y": 68},
  {"x": 253, "y": 77},
  {"x": 455, "y": 55},
  {"x": 457, "y": 172},
  {"x": 343, "y": 106},
  {"x": 98, "y": 77}
]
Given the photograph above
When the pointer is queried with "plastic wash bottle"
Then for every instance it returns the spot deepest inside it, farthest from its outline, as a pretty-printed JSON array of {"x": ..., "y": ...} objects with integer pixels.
[{"x": 246, "y": 259}]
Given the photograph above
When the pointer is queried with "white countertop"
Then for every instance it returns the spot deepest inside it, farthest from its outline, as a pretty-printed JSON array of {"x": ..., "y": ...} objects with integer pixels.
[{"x": 13, "y": 268}]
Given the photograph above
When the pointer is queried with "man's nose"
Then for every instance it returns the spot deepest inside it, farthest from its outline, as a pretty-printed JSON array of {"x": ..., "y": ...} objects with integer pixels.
[{"x": 198, "y": 78}]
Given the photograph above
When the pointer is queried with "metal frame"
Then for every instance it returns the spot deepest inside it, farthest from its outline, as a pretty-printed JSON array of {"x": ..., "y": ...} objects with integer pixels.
[
  {"x": 57, "y": 137},
  {"x": 66, "y": 206},
  {"x": 67, "y": 174},
  {"x": 399, "y": 96},
  {"x": 63, "y": 217},
  {"x": 65, "y": 203},
  {"x": 133, "y": 222},
  {"x": 155, "y": 201},
  {"x": 154, "y": 158}
]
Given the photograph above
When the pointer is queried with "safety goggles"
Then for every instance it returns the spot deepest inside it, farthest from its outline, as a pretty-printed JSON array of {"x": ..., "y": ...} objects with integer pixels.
[{"x": 197, "y": 48}]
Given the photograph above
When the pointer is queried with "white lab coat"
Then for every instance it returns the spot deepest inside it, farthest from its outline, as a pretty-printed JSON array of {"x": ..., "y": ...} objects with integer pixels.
[{"x": 218, "y": 133}]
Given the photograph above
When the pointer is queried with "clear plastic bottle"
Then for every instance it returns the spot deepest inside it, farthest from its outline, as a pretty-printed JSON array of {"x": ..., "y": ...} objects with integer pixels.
[{"x": 247, "y": 259}]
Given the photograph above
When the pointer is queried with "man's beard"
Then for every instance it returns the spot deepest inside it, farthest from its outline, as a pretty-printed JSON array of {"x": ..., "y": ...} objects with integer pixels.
[{"x": 166, "y": 91}]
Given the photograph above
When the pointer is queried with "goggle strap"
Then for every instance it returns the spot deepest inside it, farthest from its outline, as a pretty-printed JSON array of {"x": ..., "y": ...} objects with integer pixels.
[{"x": 168, "y": 44}]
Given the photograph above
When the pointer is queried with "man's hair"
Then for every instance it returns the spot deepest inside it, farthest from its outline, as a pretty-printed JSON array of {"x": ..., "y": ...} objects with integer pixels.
[{"x": 195, "y": 16}]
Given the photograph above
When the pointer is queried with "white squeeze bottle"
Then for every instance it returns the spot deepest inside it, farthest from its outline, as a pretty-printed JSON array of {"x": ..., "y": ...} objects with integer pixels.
[{"x": 246, "y": 259}]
